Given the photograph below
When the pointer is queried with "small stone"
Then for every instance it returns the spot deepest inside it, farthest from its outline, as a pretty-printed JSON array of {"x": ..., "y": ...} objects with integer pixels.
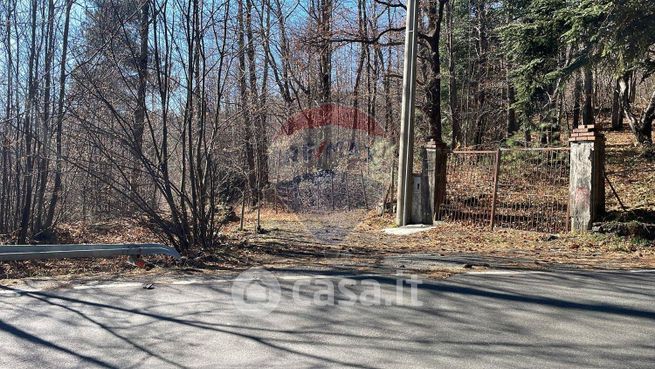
[{"x": 551, "y": 237}]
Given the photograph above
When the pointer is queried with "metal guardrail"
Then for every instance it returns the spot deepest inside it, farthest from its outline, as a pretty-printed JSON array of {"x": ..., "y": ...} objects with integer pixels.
[{"x": 40, "y": 252}]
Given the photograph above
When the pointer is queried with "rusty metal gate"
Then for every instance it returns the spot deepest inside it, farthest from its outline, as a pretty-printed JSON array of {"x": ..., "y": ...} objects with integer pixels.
[{"x": 523, "y": 189}]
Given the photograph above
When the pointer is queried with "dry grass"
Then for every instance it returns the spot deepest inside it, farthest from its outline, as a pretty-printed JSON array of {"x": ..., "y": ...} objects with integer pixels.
[
  {"x": 632, "y": 176},
  {"x": 366, "y": 245}
]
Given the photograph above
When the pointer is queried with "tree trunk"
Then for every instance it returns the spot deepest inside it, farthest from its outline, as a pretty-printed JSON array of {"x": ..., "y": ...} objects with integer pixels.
[
  {"x": 243, "y": 93},
  {"x": 60, "y": 118},
  {"x": 647, "y": 121},
  {"x": 617, "y": 109},
  {"x": 577, "y": 95},
  {"x": 5, "y": 202},
  {"x": 325, "y": 82},
  {"x": 433, "y": 87},
  {"x": 482, "y": 65},
  {"x": 588, "y": 110},
  {"x": 56, "y": 191},
  {"x": 26, "y": 212},
  {"x": 452, "y": 80},
  {"x": 140, "y": 111},
  {"x": 641, "y": 127},
  {"x": 45, "y": 137},
  {"x": 512, "y": 123}
]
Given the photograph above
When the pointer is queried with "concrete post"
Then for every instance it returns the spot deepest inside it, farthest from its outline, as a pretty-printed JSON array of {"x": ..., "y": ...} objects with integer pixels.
[
  {"x": 406, "y": 140},
  {"x": 587, "y": 179},
  {"x": 437, "y": 160},
  {"x": 422, "y": 194}
]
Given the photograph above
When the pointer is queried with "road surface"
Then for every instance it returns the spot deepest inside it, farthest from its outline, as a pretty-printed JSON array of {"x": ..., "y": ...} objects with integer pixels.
[{"x": 490, "y": 320}]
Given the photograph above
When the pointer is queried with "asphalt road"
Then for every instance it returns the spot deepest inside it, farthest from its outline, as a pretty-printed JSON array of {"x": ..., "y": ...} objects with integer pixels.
[{"x": 523, "y": 320}]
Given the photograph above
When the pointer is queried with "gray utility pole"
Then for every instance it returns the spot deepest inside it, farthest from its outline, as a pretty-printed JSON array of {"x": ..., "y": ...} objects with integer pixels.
[{"x": 406, "y": 141}]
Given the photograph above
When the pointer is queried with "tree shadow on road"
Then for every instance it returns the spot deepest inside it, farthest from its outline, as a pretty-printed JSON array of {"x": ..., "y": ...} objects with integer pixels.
[{"x": 460, "y": 319}]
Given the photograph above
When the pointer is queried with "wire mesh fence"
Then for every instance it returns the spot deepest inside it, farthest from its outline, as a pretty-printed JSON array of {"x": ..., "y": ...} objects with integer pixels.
[
  {"x": 512, "y": 188},
  {"x": 533, "y": 190},
  {"x": 327, "y": 191},
  {"x": 469, "y": 188}
]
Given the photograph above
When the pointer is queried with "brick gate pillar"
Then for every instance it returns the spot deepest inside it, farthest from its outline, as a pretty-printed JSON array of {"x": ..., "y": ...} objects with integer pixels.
[{"x": 587, "y": 178}]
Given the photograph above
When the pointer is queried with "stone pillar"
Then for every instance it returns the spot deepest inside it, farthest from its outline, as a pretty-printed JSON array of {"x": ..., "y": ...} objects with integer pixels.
[
  {"x": 421, "y": 209},
  {"x": 587, "y": 179},
  {"x": 437, "y": 158}
]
